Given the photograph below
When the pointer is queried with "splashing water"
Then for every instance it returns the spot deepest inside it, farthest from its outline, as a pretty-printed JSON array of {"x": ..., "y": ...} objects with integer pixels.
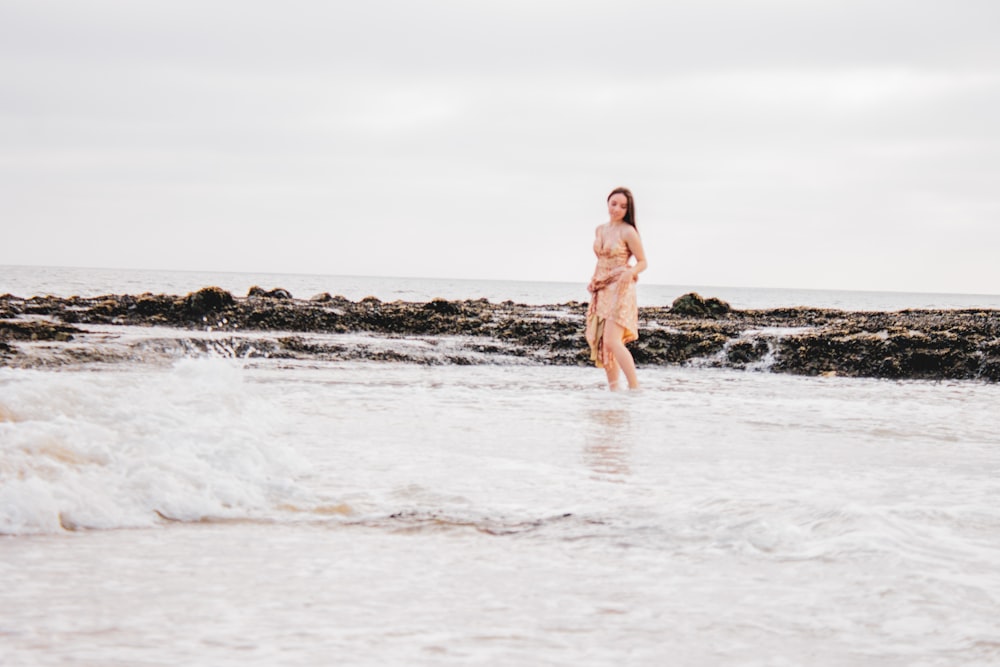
[
  {"x": 400, "y": 513},
  {"x": 131, "y": 448}
]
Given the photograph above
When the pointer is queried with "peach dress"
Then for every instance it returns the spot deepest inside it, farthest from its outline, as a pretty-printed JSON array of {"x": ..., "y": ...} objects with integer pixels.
[{"x": 612, "y": 297}]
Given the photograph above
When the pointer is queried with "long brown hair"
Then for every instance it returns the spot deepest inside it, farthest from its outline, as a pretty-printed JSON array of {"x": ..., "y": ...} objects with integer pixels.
[{"x": 630, "y": 213}]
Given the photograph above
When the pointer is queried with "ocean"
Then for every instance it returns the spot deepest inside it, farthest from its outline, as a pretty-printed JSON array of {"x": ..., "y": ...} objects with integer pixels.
[{"x": 221, "y": 510}]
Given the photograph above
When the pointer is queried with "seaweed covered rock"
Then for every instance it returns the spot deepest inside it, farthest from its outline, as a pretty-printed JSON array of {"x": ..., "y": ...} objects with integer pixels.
[
  {"x": 36, "y": 330},
  {"x": 207, "y": 300},
  {"x": 442, "y": 307},
  {"x": 912, "y": 344},
  {"x": 276, "y": 293},
  {"x": 695, "y": 305}
]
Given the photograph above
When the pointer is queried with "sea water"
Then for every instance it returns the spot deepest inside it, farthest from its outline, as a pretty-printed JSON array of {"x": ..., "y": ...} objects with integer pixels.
[{"x": 217, "y": 510}]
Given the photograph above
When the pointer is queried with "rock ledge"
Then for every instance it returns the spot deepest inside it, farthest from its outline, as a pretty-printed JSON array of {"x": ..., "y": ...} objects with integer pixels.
[{"x": 914, "y": 344}]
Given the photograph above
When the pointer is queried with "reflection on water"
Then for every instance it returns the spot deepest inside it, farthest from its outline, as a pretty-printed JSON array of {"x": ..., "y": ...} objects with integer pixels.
[{"x": 606, "y": 450}]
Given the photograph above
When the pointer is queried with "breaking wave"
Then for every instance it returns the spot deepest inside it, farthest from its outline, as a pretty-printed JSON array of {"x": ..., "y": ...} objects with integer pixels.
[{"x": 131, "y": 449}]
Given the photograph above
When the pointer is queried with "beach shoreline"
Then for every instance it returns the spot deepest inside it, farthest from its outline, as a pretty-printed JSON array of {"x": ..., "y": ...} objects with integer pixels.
[{"x": 907, "y": 344}]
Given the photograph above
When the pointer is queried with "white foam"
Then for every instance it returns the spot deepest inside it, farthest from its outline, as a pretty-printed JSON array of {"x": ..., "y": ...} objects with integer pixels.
[
  {"x": 127, "y": 449},
  {"x": 764, "y": 518}
]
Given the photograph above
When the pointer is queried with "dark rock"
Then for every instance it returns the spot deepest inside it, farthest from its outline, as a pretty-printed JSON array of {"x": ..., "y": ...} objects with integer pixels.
[
  {"x": 299, "y": 344},
  {"x": 442, "y": 307},
  {"x": 746, "y": 351},
  {"x": 989, "y": 370},
  {"x": 149, "y": 305},
  {"x": 717, "y": 307},
  {"x": 35, "y": 330},
  {"x": 204, "y": 301},
  {"x": 695, "y": 305},
  {"x": 276, "y": 293},
  {"x": 915, "y": 344}
]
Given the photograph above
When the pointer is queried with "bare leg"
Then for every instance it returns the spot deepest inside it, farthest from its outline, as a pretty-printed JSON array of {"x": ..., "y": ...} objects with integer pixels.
[
  {"x": 613, "y": 341},
  {"x": 612, "y": 372}
]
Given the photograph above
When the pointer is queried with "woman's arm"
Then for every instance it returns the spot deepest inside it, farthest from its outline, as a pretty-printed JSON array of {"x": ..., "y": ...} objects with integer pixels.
[{"x": 635, "y": 247}]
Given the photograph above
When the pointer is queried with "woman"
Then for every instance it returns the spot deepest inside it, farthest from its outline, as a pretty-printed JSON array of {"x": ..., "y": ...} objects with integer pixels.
[{"x": 613, "y": 315}]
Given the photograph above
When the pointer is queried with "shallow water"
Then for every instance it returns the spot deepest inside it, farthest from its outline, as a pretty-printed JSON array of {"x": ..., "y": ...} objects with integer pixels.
[{"x": 223, "y": 511}]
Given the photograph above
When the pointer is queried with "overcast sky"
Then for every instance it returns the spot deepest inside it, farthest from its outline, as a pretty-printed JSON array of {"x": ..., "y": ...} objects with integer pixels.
[{"x": 833, "y": 144}]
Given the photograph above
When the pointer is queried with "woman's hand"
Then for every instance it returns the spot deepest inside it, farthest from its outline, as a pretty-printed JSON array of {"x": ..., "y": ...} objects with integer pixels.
[{"x": 627, "y": 273}]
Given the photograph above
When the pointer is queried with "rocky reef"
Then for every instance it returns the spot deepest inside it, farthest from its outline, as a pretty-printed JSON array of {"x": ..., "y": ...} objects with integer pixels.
[{"x": 914, "y": 344}]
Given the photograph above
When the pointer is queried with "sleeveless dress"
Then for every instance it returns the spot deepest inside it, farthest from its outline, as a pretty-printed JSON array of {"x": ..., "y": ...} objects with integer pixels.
[{"x": 612, "y": 297}]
